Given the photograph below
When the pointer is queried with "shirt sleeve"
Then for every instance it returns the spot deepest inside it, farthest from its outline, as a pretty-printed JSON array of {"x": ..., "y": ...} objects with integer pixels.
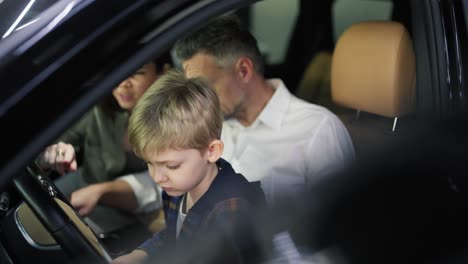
[
  {"x": 151, "y": 245},
  {"x": 329, "y": 150},
  {"x": 147, "y": 192}
]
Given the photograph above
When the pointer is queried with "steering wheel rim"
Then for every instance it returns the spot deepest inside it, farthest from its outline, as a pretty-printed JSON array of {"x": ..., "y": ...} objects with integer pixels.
[{"x": 62, "y": 226}]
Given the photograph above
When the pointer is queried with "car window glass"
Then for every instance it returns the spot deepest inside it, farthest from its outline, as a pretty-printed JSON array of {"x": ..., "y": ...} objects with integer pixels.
[
  {"x": 347, "y": 12},
  {"x": 272, "y": 22}
]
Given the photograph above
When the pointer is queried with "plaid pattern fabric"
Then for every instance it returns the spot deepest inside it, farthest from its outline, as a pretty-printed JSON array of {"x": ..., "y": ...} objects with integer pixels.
[{"x": 229, "y": 197}]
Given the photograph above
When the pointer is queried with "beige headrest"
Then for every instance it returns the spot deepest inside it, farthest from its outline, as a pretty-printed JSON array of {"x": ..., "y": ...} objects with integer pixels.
[{"x": 373, "y": 69}]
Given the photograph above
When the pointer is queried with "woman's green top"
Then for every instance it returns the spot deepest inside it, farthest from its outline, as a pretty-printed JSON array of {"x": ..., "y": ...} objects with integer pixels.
[{"x": 100, "y": 139}]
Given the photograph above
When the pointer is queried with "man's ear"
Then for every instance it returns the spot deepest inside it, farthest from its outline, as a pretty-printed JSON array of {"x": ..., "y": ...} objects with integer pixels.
[
  {"x": 245, "y": 68},
  {"x": 215, "y": 150}
]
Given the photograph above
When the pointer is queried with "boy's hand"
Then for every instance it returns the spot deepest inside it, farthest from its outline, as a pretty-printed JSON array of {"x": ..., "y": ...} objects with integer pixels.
[
  {"x": 84, "y": 200},
  {"x": 60, "y": 157},
  {"x": 136, "y": 256}
]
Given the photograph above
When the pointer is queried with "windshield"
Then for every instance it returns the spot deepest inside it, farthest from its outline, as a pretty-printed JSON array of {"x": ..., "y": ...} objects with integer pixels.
[{"x": 18, "y": 14}]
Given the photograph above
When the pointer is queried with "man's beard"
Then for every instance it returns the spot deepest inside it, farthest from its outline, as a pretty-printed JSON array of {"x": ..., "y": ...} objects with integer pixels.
[{"x": 234, "y": 113}]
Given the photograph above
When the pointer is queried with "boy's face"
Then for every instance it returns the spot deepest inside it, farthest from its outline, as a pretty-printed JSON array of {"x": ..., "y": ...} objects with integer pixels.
[
  {"x": 131, "y": 89},
  {"x": 223, "y": 79},
  {"x": 178, "y": 171}
]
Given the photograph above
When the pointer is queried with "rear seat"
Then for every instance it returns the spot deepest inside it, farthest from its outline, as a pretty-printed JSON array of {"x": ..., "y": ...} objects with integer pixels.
[
  {"x": 314, "y": 86},
  {"x": 373, "y": 72}
]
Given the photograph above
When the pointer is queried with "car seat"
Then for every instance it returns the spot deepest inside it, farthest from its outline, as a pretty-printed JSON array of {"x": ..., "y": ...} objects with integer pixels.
[
  {"x": 314, "y": 86},
  {"x": 373, "y": 71}
]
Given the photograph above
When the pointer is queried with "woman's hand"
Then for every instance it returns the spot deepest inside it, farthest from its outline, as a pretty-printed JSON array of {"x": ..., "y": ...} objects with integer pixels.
[
  {"x": 136, "y": 256},
  {"x": 59, "y": 157}
]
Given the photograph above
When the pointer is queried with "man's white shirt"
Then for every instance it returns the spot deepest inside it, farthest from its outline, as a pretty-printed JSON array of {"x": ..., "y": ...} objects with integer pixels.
[
  {"x": 291, "y": 144},
  {"x": 147, "y": 192}
]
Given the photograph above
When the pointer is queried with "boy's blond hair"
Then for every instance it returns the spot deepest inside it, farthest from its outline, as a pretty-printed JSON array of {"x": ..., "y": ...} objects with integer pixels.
[{"x": 176, "y": 112}]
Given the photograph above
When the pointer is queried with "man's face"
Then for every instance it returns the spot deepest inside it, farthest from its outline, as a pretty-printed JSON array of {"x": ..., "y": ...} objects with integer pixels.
[
  {"x": 223, "y": 79},
  {"x": 131, "y": 89}
]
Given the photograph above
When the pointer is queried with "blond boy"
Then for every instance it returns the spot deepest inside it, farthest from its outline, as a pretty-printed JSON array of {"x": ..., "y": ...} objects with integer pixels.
[{"x": 176, "y": 128}]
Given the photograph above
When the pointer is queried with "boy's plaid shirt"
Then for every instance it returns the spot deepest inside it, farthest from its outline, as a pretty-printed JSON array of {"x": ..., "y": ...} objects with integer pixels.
[{"x": 230, "y": 198}]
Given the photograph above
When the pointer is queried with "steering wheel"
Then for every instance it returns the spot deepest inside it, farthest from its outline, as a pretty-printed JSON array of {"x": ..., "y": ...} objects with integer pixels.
[{"x": 59, "y": 218}]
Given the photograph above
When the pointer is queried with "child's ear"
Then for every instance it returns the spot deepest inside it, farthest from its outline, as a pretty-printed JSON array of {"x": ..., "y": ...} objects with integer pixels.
[{"x": 215, "y": 150}]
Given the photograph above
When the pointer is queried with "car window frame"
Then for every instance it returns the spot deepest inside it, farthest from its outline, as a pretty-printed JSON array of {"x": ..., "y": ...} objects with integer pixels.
[{"x": 181, "y": 22}]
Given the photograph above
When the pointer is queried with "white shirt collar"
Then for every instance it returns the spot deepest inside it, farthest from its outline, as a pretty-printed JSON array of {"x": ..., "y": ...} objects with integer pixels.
[{"x": 275, "y": 110}]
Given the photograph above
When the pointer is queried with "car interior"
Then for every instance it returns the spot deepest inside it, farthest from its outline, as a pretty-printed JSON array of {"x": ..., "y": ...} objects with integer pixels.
[
  {"x": 358, "y": 58},
  {"x": 363, "y": 84}
]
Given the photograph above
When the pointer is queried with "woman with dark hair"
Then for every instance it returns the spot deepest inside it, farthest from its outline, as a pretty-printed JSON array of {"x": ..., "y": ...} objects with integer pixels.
[{"x": 101, "y": 137}]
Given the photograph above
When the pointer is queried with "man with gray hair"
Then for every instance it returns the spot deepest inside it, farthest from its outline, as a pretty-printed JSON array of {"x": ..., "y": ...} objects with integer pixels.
[{"x": 270, "y": 135}]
